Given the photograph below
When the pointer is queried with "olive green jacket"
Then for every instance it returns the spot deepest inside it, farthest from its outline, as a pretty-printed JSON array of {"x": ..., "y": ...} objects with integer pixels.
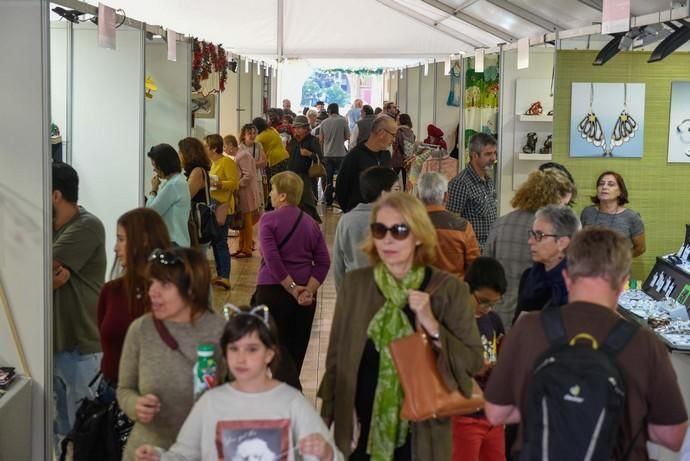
[{"x": 460, "y": 356}]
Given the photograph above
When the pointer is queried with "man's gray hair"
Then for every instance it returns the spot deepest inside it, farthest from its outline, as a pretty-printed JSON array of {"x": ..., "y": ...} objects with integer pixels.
[
  {"x": 480, "y": 140},
  {"x": 380, "y": 123},
  {"x": 432, "y": 187},
  {"x": 563, "y": 219}
]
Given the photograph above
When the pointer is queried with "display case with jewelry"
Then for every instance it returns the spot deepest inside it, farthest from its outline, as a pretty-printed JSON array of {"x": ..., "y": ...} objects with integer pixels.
[{"x": 663, "y": 301}]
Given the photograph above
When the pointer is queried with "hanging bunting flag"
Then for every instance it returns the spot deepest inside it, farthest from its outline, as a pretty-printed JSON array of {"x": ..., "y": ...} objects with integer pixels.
[
  {"x": 106, "y": 26},
  {"x": 615, "y": 16},
  {"x": 172, "y": 45},
  {"x": 523, "y": 53},
  {"x": 479, "y": 60}
]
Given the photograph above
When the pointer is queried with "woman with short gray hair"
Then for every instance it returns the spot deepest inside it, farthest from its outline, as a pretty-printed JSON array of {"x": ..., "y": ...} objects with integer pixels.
[{"x": 542, "y": 286}]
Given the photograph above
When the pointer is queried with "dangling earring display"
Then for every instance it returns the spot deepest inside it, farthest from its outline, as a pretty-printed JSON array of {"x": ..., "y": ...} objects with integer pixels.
[
  {"x": 625, "y": 125},
  {"x": 590, "y": 126}
]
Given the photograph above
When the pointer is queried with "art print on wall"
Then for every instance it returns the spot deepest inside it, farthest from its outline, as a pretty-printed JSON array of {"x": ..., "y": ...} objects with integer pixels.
[
  {"x": 679, "y": 123},
  {"x": 255, "y": 439},
  {"x": 607, "y": 120}
]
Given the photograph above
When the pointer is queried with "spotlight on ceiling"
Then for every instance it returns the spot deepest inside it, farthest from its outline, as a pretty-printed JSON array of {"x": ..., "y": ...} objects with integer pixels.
[
  {"x": 679, "y": 36},
  {"x": 638, "y": 37},
  {"x": 610, "y": 50},
  {"x": 70, "y": 15},
  {"x": 232, "y": 66}
]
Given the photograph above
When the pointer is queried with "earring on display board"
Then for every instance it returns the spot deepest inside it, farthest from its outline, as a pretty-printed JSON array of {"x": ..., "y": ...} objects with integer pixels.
[
  {"x": 590, "y": 126},
  {"x": 625, "y": 125}
]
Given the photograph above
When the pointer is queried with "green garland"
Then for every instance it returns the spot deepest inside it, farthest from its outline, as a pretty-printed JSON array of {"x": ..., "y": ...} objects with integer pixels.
[{"x": 360, "y": 71}]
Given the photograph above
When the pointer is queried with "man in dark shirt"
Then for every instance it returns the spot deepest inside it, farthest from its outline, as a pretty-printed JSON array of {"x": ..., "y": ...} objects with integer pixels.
[
  {"x": 598, "y": 266},
  {"x": 304, "y": 149},
  {"x": 373, "y": 152}
]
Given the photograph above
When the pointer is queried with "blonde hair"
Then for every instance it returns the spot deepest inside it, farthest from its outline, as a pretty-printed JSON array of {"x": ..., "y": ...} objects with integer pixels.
[
  {"x": 290, "y": 184},
  {"x": 416, "y": 217},
  {"x": 542, "y": 188}
]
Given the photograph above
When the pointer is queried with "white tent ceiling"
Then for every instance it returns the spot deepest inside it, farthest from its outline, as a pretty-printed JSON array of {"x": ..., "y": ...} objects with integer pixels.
[{"x": 367, "y": 31}]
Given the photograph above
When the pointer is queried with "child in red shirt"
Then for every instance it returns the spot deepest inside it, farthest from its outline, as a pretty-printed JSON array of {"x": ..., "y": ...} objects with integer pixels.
[{"x": 474, "y": 439}]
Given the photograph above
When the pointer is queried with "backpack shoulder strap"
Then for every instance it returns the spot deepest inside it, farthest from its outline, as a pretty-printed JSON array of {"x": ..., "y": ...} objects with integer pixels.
[
  {"x": 553, "y": 327},
  {"x": 621, "y": 333}
]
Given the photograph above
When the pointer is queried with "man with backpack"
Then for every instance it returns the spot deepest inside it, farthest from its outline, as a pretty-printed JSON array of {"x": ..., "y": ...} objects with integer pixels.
[{"x": 582, "y": 382}]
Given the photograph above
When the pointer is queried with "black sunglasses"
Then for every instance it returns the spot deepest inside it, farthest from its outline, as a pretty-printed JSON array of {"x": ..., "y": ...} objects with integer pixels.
[
  {"x": 167, "y": 258},
  {"x": 398, "y": 231}
]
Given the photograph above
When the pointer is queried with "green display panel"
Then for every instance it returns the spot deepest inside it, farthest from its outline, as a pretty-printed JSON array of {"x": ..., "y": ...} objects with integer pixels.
[{"x": 659, "y": 191}]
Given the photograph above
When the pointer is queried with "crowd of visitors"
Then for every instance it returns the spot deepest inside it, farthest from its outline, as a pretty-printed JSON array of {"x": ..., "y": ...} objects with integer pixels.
[{"x": 490, "y": 296}]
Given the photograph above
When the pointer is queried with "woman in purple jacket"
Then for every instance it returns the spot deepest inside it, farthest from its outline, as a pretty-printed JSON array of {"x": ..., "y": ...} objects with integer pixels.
[{"x": 295, "y": 263}]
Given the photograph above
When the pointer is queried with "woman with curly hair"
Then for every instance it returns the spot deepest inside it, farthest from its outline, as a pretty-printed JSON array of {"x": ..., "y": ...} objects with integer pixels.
[{"x": 507, "y": 240}]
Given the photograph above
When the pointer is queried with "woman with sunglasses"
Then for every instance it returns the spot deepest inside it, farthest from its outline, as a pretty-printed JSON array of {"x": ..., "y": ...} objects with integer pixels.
[
  {"x": 155, "y": 386},
  {"x": 295, "y": 263},
  {"x": 542, "y": 286},
  {"x": 379, "y": 304}
]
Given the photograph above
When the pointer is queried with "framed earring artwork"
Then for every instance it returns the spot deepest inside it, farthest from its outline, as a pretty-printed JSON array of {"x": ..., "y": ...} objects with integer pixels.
[
  {"x": 607, "y": 120},
  {"x": 679, "y": 123}
]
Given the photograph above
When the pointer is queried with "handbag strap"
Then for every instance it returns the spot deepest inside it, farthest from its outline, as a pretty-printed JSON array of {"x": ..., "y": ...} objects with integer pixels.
[
  {"x": 292, "y": 231},
  {"x": 168, "y": 338},
  {"x": 431, "y": 289},
  {"x": 206, "y": 187}
]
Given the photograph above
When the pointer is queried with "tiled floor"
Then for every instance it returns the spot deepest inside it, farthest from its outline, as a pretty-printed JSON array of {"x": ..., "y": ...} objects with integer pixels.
[{"x": 243, "y": 279}]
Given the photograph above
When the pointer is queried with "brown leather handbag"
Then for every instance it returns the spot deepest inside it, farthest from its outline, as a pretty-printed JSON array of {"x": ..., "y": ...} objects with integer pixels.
[{"x": 426, "y": 394}]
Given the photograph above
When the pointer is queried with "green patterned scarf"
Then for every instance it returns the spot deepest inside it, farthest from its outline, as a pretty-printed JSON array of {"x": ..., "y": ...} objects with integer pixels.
[{"x": 388, "y": 431}]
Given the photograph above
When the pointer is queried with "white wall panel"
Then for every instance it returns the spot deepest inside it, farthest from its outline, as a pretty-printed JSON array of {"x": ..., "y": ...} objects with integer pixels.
[
  {"x": 167, "y": 115},
  {"x": 107, "y": 124},
  {"x": 59, "y": 58},
  {"x": 25, "y": 207},
  {"x": 447, "y": 117},
  {"x": 426, "y": 103}
]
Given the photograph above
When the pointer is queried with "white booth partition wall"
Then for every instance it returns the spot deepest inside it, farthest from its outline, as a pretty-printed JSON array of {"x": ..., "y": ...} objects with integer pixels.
[
  {"x": 229, "y": 119},
  {"x": 244, "y": 106},
  {"x": 168, "y": 116},
  {"x": 25, "y": 230},
  {"x": 519, "y": 89},
  {"x": 426, "y": 113},
  {"x": 60, "y": 39},
  {"x": 107, "y": 129},
  {"x": 414, "y": 102},
  {"x": 257, "y": 90},
  {"x": 446, "y": 117}
]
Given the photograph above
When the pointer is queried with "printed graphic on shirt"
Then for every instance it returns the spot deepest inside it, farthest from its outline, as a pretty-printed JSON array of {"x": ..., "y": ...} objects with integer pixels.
[
  {"x": 490, "y": 346},
  {"x": 253, "y": 440}
]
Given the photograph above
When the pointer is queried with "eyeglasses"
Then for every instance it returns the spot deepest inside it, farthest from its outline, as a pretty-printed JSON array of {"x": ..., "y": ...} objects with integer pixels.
[
  {"x": 538, "y": 236},
  {"x": 486, "y": 304},
  {"x": 167, "y": 258},
  {"x": 398, "y": 231}
]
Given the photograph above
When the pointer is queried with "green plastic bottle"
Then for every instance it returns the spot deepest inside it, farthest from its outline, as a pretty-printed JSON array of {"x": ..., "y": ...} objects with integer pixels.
[{"x": 204, "y": 370}]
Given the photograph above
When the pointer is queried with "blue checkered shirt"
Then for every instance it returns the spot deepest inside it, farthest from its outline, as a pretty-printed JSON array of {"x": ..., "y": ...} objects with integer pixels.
[{"x": 475, "y": 200}]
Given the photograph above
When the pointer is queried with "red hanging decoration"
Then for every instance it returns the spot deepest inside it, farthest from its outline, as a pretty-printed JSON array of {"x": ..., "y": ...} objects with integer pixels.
[{"x": 208, "y": 58}]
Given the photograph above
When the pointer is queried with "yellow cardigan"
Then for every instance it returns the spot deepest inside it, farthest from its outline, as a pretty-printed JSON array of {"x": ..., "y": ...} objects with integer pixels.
[
  {"x": 228, "y": 181},
  {"x": 273, "y": 146}
]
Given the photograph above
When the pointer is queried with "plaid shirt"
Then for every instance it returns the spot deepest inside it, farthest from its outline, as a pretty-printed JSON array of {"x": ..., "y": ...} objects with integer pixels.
[{"x": 475, "y": 200}]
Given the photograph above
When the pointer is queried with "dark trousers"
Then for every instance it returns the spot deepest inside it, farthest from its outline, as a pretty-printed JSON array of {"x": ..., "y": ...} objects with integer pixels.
[
  {"x": 332, "y": 169},
  {"x": 293, "y": 321}
]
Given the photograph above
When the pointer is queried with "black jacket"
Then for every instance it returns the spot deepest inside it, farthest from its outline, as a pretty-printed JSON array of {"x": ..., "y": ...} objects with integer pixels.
[
  {"x": 357, "y": 160},
  {"x": 297, "y": 163}
]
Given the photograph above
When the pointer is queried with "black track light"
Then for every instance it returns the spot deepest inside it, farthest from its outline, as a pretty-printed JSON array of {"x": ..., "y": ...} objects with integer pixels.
[{"x": 679, "y": 36}]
